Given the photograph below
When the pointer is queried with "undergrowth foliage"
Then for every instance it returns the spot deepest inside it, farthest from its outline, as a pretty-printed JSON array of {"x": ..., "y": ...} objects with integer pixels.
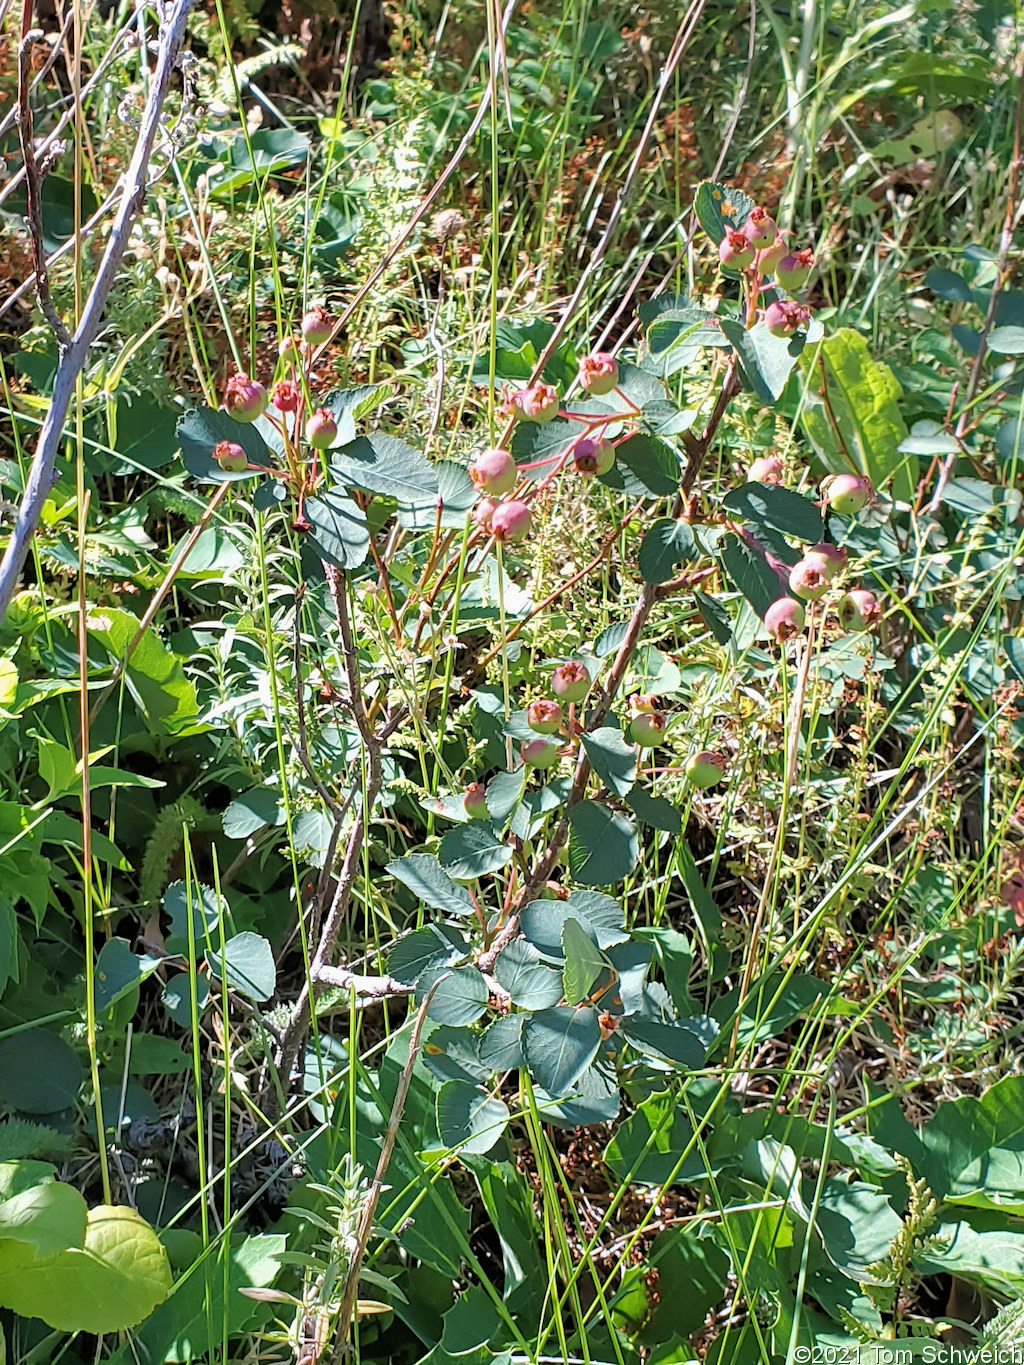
[{"x": 544, "y": 829}]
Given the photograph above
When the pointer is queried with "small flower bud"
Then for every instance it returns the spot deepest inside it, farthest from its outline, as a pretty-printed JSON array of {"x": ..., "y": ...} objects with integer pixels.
[
  {"x": 785, "y": 619},
  {"x": 538, "y": 403},
  {"x": 648, "y": 729},
  {"x": 511, "y": 521},
  {"x": 286, "y": 396},
  {"x": 322, "y": 429},
  {"x": 494, "y": 472},
  {"x": 859, "y": 609},
  {"x": 474, "y": 802},
  {"x": 705, "y": 769},
  {"x": 766, "y": 469},
  {"x": 808, "y": 580},
  {"x": 483, "y": 512},
  {"x": 540, "y": 752},
  {"x": 231, "y": 458},
  {"x": 759, "y": 229},
  {"x": 847, "y": 494},
  {"x": 784, "y": 318},
  {"x": 769, "y": 258},
  {"x": 544, "y": 716},
  {"x": 793, "y": 271},
  {"x": 599, "y": 373},
  {"x": 735, "y": 251},
  {"x": 570, "y": 681},
  {"x": 593, "y": 456},
  {"x": 245, "y": 399},
  {"x": 316, "y": 325}
]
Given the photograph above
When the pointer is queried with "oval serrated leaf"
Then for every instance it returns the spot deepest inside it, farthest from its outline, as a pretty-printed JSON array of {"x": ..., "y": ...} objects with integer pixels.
[
  {"x": 468, "y": 1118},
  {"x": 603, "y": 845},
  {"x": 560, "y": 1044},
  {"x": 247, "y": 966},
  {"x": 611, "y": 758},
  {"x": 473, "y": 851},
  {"x": 668, "y": 542},
  {"x": 531, "y": 983},
  {"x": 428, "y": 881}
]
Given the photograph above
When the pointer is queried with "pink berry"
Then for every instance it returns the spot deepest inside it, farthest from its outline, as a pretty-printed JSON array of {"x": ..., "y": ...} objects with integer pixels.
[
  {"x": 593, "y": 457},
  {"x": 784, "y": 317},
  {"x": 859, "y": 609},
  {"x": 511, "y": 521},
  {"x": 540, "y": 752},
  {"x": 770, "y": 257},
  {"x": 316, "y": 325},
  {"x": 705, "y": 769},
  {"x": 474, "y": 802},
  {"x": 735, "y": 251},
  {"x": 483, "y": 512},
  {"x": 648, "y": 729},
  {"x": 322, "y": 429},
  {"x": 286, "y": 396},
  {"x": 538, "y": 403},
  {"x": 808, "y": 580},
  {"x": 231, "y": 458},
  {"x": 785, "y": 619},
  {"x": 244, "y": 398},
  {"x": 599, "y": 373},
  {"x": 544, "y": 716},
  {"x": 288, "y": 349},
  {"x": 494, "y": 472},
  {"x": 847, "y": 494},
  {"x": 793, "y": 271},
  {"x": 766, "y": 469},
  {"x": 570, "y": 681},
  {"x": 759, "y": 229},
  {"x": 830, "y": 558}
]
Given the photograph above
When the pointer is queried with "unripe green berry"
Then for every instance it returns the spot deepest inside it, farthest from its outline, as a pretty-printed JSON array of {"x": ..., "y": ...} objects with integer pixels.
[
  {"x": 847, "y": 494},
  {"x": 474, "y": 802},
  {"x": 785, "y": 619},
  {"x": 705, "y": 769},
  {"x": 766, "y": 469},
  {"x": 735, "y": 251},
  {"x": 511, "y": 521},
  {"x": 494, "y": 472},
  {"x": 859, "y": 609},
  {"x": 540, "y": 752},
  {"x": 808, "y": 580},
  {"x": 570, "y": 681},
  {"x": 760, "y": 229},
  {"x": 544, "y": 716},
  {"x": 599, "y": 373},
  {"x": 647, "y": 729},
  {"x": 593, "y": 457},
  {"x": 231, "y": 458},
  {"x": 322, "y": 429}
]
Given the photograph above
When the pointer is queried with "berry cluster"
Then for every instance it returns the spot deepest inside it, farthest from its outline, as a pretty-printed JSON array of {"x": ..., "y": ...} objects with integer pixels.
[
  {"x": 816, "y": 573},
  {"x": 759, "y": 251},
  {"x": 495, "y": 472}
]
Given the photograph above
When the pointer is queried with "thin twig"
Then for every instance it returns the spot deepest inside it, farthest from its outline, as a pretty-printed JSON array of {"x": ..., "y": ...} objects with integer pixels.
[
  {"x": 33, "y": 182},
  {"x": 73, "y": 360}
]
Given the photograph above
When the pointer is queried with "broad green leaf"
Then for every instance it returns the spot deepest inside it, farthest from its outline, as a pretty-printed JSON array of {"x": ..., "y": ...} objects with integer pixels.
[
  {"x": 460, "y": 998},
  {"x": 601, "y": 915},
  {"x": 504, "y": 792},
  {"x": 454, "y": 1054},
  {"x": 983, "y": 1247},
  {"x": 339, "y": 533},
  {"x": 194, "y": 912},
  {"x": 110, "y": 1284},
  {"x": 974, "y": 1148},
  {"x": 1006, "y": 340},
  {"x": 531, "y": 983},
  {"x": 863, "y": 403},
  {"x": 780, "y": 509},
  {"x": 603, "y": 844},
  {"x": 388, "y": 467},
  {"x": 644, "y": 467},
  {"x": 691, "y": 1272},
  {"x": 611, "y": 758},
  {"x": 472, "y": 851},
  {"x": 39, "y": 1073},
  {"x": 532, "y": 441},
  {"x": 9, "y": 938},
  {"x": 501, "y": 1043},
  {"x": 119, "y": 970},
  {"x": 206, "y": 1304},
  {"x": 48, "y": 1219},
  {"x": 560, "y": 1044},
  {"x": 203, "y": 428},
  {"x": 16, "y": 1177},
  {"x": 584, "y": 962},
  {"x": 654, "y": 811},
  {"x": 248, "y": 966},
  {"x": 154, "y": 1055},
  {"x": 156, "y": 677},
  {"x": 655, "y": 1144},
  {"x": 948, "y": 285},
  {"x": 428, "y": 881},
  {"x": 594, "y": 1099},
  {"x": 672, "y": 1042},
  {"x": 427, "y": 949},
  {"x": 751, "y": 573},
  {"x": 719, "y": 207},
  {"x": 468, "y": 1118},
  {"x": 667, "y": 542},
  {"x": 765, "y": 361},
  {"x": 857, "y": 1225},
  {"x": 251, "y": 811}
]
